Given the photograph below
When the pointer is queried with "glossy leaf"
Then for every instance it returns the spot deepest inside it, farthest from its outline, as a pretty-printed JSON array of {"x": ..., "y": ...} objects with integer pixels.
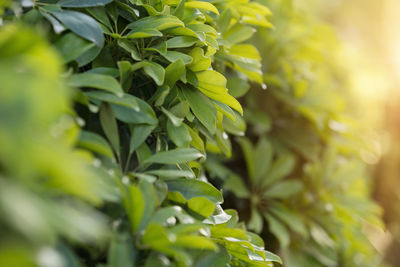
[
  {"x": 81, "y": 24},
  {"x": 180, "y": 155}
]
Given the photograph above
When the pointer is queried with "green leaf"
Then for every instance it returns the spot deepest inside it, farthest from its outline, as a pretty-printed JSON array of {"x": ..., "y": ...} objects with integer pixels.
[
  {"x": 57, "y": 26},
  {"x": 279, "y": 169},
  {"x": 202, "y": 108},
  {"x": 135, "y": 206},
  {"x": 95, "y": 143},
  {"x": 291, "y": 218},
  {"x": 83, "y": 3},
  {"x": 160, "y": 23},
  {"x": 130, "y": 47},
  {"x": 163, "y": 214},
  {"x": 172, "y": 173},
  {"x": 155, "y": 71},
  {"x": 81, "y": 24},
  {"x": 176, "y": 121},
  {"x": 139, "y": 134},
  {"x": 202, "y": 5},
  {"x": 143, "y": 33},
  {"x": 174, "y": 72},
  {"x": 109, "y": 125},
  {"x": 70, "y": 46},
  {"x": 173, "y": 56},
  {"x": 191, "y": 188},
  {"x": 181, "y": 41},
  {"x": 202, "y": 206},
  {"x": 213, "y": 85},
  {"x": 126, "y": 100},
  {"x": 146, "y": 115},
  {"x": 194, "y": 242},
  {"x": 256, "y": 221},
  {"x": 284, "y": 189},
  {"x": 180, "y": 155},
  {"x": 150, "y": 202},
  {"x": 121, "y": 252},
  {"x": 196, "y": 142},
  {"x": 200, "y": 62},
  {"x": 214, "y": 259},
  {"x": 237, "y": 87},
  {"x": 278, "y": 230},
  {"x": 239, "y": 33},
  {"x": 178, "y": 134},
  {"x": 125, "y": 74},
  {"x": 236, "y": 185},
  {"x": 95, "y": 80}
]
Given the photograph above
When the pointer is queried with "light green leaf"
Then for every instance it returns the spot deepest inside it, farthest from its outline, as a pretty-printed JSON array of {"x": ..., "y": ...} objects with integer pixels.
[
  {"x": 202, "y": 5},
  {"x": 155, "y": 71},
  {"x": 143, "y": 33},
  {"x": 174, "y": 71},
  {"x": 172, "y": 173},
  {"x": 194, "y": 242},
  {"x": 239, "y": 33},
  {"x": 279, "y": 169},
  {"x": 173, "y": 56},
  {"x": 126, "y": 100},
  {"x": 181, "y": 41},
  {"x": 135, "y": 206},
  {"x": 180, "y": 155},
  {"x": 95, "y": 80},
  {"x": 202, "y": 206},
  {"x": 196, "y": 142},
  {"x": 160, "y": 23},
  {"x": 283, "y": 189},
  {"x": 200, "y": 62},
  {"x": 191, "y": 188},
  {"x": 95, "y": 143}
]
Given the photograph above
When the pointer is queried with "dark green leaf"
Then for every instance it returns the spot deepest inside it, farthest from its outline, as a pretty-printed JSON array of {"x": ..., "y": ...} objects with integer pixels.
[{"x": 81, "y": 24}]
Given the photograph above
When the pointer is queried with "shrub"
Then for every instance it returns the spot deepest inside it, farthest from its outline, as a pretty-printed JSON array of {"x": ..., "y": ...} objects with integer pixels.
[{"x": 110, "y": 128}]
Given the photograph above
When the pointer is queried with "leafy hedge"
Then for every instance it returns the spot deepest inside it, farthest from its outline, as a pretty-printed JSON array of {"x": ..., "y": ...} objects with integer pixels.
[{"x": 116, "y": 172}]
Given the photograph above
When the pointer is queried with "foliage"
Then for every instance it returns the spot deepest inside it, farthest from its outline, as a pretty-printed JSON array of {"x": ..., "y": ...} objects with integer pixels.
[
  {"x": 151, "y": 98},
  {"x": 303, "y": 181},
  {"x": 110, "y": 128}
]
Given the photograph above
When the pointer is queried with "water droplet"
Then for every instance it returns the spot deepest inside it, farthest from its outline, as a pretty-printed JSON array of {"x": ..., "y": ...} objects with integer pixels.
[
  {"x": 120, "y": 94},
  {"x": 96, "y": 163},
  {"x": 264, "y": 86},
  {"x": 125, "y": 180},
  {"x": 224, "y": 135},
  {"x": 93, "y": 108},
  {"x": 81, "y": 122}
]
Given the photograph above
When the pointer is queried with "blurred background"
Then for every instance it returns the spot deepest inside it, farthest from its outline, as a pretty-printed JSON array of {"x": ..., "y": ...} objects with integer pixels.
[{"x": 370, "y": 31}]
